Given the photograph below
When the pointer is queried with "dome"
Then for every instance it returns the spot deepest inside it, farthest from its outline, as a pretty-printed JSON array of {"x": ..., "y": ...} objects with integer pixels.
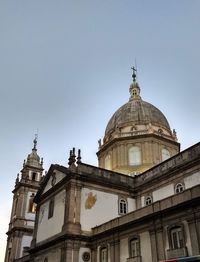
[{"x": 137, "y": 112}]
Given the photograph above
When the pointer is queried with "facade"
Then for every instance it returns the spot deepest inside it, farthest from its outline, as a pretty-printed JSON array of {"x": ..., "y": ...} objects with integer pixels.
[{"x": 141, "y": 204}]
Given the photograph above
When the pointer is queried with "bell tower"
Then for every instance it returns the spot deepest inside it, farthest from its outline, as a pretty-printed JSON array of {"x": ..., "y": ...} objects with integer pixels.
[{"x": 23, "y": 208}]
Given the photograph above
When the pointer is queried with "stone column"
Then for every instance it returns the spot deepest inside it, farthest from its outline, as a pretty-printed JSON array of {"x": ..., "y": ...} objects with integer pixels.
[
  {"x": 193, "y": 228},
  {"x": 153, "y": 245},
  {"x": 72, "y": 208}
]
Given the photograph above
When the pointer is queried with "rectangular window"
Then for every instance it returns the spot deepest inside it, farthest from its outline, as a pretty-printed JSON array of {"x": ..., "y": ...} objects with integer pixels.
[
  {"x": 134, "y": 247},
  {"x": 103, "y": 255},
  {"x": 51, "y": 208}
]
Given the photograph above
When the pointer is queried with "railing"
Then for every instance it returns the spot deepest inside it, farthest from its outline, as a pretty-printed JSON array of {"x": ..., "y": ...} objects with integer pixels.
[
  {"x": 134, "y": 259},
  {"x": 175, "y": 253}
]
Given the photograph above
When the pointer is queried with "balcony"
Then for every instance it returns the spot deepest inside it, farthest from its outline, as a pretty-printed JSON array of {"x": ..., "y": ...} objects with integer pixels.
[
  {"x": 134, "y": 259},
  {"x": 175, "y": 253}
]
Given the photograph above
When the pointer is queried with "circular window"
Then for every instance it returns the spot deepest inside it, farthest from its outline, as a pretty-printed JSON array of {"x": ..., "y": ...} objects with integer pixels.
[{"x": 86, "y": 256}]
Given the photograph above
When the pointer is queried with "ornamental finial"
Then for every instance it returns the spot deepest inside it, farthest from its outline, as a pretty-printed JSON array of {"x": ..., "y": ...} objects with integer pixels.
[
  {"x": 134, "y": 73},
  {"x": 35, "y": 142}
]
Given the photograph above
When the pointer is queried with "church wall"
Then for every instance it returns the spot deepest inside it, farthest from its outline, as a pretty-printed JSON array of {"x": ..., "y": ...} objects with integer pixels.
[
  {"x": 26, "y": 241},
  {"x": 53, "y": 255},
  {"x": 49, "y": 227},
  {"x": 145, "y": 245},
  {"x": 98, "y": 207},
  {"x": 163, "y": 192},
  {"x": 192, "y": 180},
  {"x": 83, "y": 250},
  {"x": 59, "y": 176},
  {"x": 124, "y": 249}
]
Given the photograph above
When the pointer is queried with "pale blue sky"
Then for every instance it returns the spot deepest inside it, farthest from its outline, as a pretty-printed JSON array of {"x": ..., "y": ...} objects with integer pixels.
[{"x": 65, "y": 69}]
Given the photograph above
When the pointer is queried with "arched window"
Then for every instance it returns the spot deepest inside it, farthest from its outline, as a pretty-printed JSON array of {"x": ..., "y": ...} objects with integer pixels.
[
  {"x": 32, "y": 205},
  {"x": 108, "y": 162},
  {"x": 165, "y": 154},
  {"x": 104, "y": 254},
  {"x": 179, "y": 188},
  {"x": 134, "y": 247},
  {"x": 123, "y": 207},
  {"x": 176, "y": 237},
  {"x": 148, "y": 200},
  {"x": 51, "y": 208},
  {"x": 134, "y": 156}
]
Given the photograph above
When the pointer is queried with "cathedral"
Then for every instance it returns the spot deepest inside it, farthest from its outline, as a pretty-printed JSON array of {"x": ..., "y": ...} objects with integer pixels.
[{"x": 141, "y": 204}]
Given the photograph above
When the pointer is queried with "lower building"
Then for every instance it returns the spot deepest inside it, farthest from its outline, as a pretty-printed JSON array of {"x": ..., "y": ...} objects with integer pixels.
[{"x": 85, "y": 213}]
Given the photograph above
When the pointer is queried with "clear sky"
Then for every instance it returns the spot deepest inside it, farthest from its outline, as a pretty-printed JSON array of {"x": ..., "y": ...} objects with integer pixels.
[{"x": 65, "y": 69}]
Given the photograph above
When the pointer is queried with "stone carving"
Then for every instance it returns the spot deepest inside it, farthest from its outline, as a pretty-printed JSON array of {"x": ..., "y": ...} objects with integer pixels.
[{"x": 90, "y": 201}]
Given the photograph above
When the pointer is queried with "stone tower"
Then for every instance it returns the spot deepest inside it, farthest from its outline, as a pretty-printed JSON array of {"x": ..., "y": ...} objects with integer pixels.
[
  {"x": 137, "y": 137},
  {"x": 23, "y": 208}
]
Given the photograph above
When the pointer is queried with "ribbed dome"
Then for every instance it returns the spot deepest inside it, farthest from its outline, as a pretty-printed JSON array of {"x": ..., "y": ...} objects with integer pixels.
[{"x": 137, "y": 112}]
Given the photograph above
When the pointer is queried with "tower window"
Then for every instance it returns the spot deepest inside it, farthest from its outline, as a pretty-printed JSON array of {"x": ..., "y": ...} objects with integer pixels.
[
  {"x": 165, "y": 154},
  {"x": 148, "y": 201},
  {"x": 51, "y": 208},
  {"x": 179, "y": 188},
  {"x": 34, "y": 176},
  {"x": 123, "y": 207},
  {"x": 32, "y": 205},
  {"x": 134, "y": 156}
]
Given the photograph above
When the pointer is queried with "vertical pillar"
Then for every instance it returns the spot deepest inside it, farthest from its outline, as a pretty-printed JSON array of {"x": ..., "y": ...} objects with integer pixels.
[
  {"x": 193, "y": 229},
  {"x": 153, "y": 245}
]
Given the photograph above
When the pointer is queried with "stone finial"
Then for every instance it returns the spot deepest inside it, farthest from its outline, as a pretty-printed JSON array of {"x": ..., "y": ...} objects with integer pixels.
[
  {"x": 17, "y": 179},
  {"x": 99, "y": 142},
  {"x": 24, "y": 163},
  {"x": 79, "y": 157},
  {"x": 42, "y": 161},
  {"x": 70, "y": 158}
]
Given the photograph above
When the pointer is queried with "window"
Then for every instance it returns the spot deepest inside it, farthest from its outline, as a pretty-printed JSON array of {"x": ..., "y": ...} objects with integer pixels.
[
  {"x": 176, "y": 237},
  {"x": 134, "y": 247},
  {"x": 148, "y": 200},
  {"x": 34, "y": 175},
  {"x": 108, "y": 162},
  {"x": 103, "y": 254},
  {"x": 122, "y": 206},
  {"x": 32, "y": 205},
  {"x": 51, "y": 208},
  {"x": 165, "y": 154},
  {"x": 134, "y": 156},
  {"x": 179, "y": 188}
]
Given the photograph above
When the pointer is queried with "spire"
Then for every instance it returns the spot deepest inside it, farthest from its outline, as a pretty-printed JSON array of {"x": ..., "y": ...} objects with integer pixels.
[
  {"x": 35, "y": 142},
  {"x": 134, "y": 87},
  {"x": 33, "y": 159}
]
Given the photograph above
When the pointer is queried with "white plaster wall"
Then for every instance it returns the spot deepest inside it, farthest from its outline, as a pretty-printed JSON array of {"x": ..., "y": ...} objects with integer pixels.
[
  {"x": 124, "y": 249},
  {"x": 59, "y": 177},
  {"x": 49, "y": 227},
  {"x": 142, "y": 201},
  {"x": 192, "y": 180},
  {"x": 29, "y": 215},
  {"x": 81, "y": 251},
  {"x": 131, "y": 204},
  {"x": 104, "y": 209},
  {"x": 163, "y": 192},
  {"x": 145, "y": 245},
  {"x": 26, "y": 242}
]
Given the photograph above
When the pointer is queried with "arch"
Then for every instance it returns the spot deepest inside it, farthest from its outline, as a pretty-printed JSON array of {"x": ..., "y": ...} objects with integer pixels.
[
  {"x": 179, "y": 188},
  {"x": 165, "y": 154},
  {"x": 148, "y": 200},
  {"x": 134, "y": 156}
]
